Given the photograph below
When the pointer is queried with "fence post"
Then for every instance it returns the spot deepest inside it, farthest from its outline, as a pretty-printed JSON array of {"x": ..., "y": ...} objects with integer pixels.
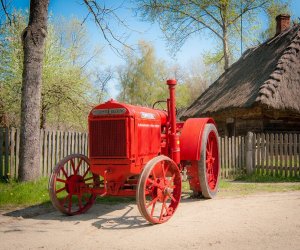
[{"x": 249, "y": 149}]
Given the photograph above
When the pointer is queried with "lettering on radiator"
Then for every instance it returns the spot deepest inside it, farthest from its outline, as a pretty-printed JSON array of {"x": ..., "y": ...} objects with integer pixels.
[
  {"x": 118, "y": 111},
  {"x": 148, "y": 125}
]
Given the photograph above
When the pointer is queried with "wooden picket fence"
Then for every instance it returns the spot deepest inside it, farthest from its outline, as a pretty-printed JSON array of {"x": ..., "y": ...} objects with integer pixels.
[
  {"x": 276, "y": 154},
  {"x": 232, "y": 156},
  {"x": 54, "y": 146},
  {"x": 265, "y": 154}
]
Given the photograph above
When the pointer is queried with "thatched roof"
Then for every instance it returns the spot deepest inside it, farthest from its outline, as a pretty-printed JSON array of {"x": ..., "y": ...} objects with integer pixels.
[{"x": 267, "y": 75}]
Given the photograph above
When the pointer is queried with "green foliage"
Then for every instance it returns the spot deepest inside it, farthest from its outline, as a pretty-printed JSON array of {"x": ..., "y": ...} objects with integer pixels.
[
  {"x": 66, "y": 85},
  {"x": 221, "y": 20},
  {"x": 192, "y": 82},
  {"x": 11, "y": 68},
  {"x": 64, "y": 102},
  {"x": 142, "y": 77},
  {"x": 274, "y": 9}
]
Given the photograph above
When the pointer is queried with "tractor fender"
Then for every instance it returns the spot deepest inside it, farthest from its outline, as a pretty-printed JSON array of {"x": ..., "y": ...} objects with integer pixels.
[{"x": 190, "y": 138}]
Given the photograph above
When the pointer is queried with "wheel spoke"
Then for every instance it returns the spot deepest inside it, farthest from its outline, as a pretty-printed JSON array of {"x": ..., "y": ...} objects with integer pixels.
[
  {"x": 86, "y": 199},
  {"x": 64, "y": 200},
  {"x": 161, "y": 213},
  {"x": 165, "y": 205},
  {"x": 73, "y": 166},
  {"x": 153, "y": 174},
  {"x": 154, "y": 183},
  {"x": 172, "y": 197},
  {"x": 79, "y": 201},
  {"x": 163, "y": 170},
  {"x": 90, "y": 178},
  {"x": 79, "y": 164},
  {"x": 70, "y": 204},
  {"x": 61, "y": 180},
  {"x": 153, "y": 207},
  {"x": 152, "y": 202},
  {"x": 64, "y": 171},
  {"x": 86, "y": 172},
  {"x": 167, "y": 169},
  {"x": 150, "y": 180},
  {"x": 162, "y": 210},
  {"x": 60, "y": 190},
  {"x": 172, "y": 178}
]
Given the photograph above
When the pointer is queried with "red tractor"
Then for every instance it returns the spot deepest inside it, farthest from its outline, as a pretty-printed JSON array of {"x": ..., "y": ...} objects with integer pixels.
[{"x": 139, "y": 151}]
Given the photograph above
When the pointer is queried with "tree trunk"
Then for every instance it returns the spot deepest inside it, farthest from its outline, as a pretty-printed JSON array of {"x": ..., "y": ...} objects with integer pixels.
[
  {"x": 33, "y": 45},
  {"x": 225, "y": 49},
  {"x": 225, "y": 14}
]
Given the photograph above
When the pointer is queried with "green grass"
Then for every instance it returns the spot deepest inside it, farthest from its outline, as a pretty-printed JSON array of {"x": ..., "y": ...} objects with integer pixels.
[
  {"x": 267, "y": 178},
  {"x": 15, "y": 194},
  {"x": 253, "y": 184},
  {"x": 238, "y": 189},
  {"x": 22, "y": 194}
]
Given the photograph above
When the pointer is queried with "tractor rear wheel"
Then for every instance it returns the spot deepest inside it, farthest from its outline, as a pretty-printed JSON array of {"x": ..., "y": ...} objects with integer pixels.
[
  {"x": 159, "y": 190},
  {"x": 209, "y": 163},
  {"x": 70, "y": 183}
]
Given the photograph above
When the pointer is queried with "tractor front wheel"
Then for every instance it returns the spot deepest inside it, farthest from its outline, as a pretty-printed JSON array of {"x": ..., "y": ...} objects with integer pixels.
[
  {"x": 70, "y": 184},
  {"x": 159, "y": 190}
]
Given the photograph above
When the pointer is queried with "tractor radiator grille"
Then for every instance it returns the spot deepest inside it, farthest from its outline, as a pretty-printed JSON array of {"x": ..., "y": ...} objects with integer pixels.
[{"x": 108, "y": 138}]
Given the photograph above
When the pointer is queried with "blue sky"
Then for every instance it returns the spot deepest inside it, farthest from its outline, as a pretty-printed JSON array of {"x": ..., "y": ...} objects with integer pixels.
[{"x": 191, "y": 50}]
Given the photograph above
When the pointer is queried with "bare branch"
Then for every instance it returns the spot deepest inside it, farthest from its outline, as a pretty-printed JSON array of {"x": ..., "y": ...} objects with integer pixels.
[
  {"x": 4, "y": 7},
  {"x": 176, "y": 11},
  {"x": 89, "y": 60},
  {"x": 101, "y": 16},
  {"x": 247, "y": 8},
  {"x": 85, "y": 18}
]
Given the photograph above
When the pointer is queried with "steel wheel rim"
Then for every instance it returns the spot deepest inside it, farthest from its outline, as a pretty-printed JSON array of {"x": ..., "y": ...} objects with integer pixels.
[
  {"x": 69, "y": 183},
  {"x": 212, "y": 160},
  {"x": 161, "y": 191}
]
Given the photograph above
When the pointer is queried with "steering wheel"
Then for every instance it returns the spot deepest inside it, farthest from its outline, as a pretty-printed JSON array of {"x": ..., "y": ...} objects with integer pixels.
[{"x": 161, "y": 107}]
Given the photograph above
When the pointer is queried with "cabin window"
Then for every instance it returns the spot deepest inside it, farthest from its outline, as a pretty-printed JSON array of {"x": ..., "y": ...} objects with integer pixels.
[{"x": 230, "y": 127}]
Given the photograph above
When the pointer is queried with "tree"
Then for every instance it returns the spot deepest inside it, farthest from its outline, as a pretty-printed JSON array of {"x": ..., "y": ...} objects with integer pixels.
[
  {"x": 101, "y": 80},
  {"x": 142, "y": 77},
  {"x": 274, "y": 9},
  {"x": 65, "y": 100},
  {"x": 181, "y": 19},
  {"x": 66, "y": 84},
  {"x": 11, "y": 67},
  {"x": 191, "y": 83},
  {"x": 33, "y": 38},
  {"x": 195, "y": 80}
]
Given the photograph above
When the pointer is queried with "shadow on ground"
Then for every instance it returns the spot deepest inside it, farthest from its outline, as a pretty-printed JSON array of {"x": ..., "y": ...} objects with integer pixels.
[{"x": 103, "y": 215}]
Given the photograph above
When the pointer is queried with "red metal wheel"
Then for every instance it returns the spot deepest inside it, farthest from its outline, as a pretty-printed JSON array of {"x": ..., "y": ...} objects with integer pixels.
[
  {"x": 70, "y": 183},
  {"x": 209, "y": 164},
  {"x": 159, "y": 189}
]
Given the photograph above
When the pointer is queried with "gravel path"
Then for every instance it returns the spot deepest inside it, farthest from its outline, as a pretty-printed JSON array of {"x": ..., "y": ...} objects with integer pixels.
[{"x": 263, "y": 221}]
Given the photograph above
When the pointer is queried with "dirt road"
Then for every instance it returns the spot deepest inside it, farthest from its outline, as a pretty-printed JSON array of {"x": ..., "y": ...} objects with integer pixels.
[{"x": 264, "y": 221}]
